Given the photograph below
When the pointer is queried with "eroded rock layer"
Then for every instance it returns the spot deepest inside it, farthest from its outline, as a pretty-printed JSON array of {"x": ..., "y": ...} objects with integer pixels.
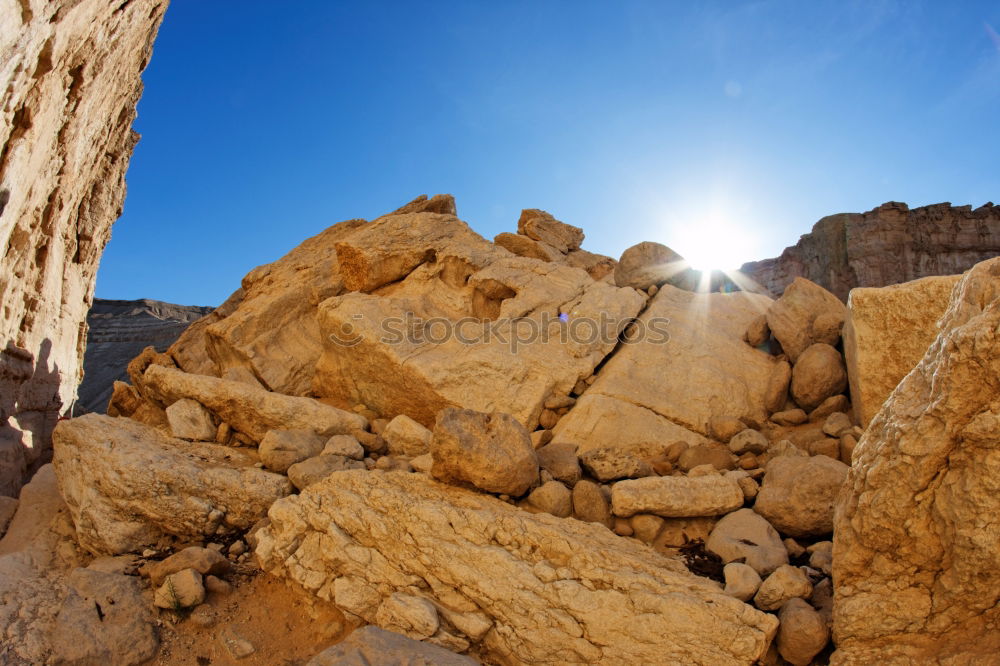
[
  {"x": 888, "y": 245},
  {"x": 70, "y": 75}
]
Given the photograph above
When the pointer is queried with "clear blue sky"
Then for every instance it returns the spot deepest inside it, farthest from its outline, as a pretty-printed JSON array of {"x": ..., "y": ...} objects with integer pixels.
[{"x": 265, "y": 122}]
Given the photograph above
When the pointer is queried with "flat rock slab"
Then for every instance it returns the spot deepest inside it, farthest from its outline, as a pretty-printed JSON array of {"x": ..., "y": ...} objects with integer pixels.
[
  {"x": 677, "y": 496},
  {"x": 517, "y": 587}
]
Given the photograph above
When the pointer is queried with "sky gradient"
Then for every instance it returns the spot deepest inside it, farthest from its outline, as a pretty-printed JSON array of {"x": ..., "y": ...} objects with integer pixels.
[{"x": 263, "y": 123}]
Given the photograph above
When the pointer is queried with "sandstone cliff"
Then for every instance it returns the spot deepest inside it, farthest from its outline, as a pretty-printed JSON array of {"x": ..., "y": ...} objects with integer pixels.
[
  {"x": 888, "y": 245},
  {"x": 117, "y": 332},
  {"x": 71, "y": 80}
]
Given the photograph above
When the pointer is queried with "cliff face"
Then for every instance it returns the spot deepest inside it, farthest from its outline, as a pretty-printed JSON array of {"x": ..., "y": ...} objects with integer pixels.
[
  {"x": 118, "y": 332},
  {"x": 888, "y": 245},
  {"x": 70, "y": 72}
]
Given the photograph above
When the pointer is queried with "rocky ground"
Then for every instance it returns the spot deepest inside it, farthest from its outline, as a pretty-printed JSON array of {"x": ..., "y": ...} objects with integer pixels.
[{"x": 277, "y": 478}]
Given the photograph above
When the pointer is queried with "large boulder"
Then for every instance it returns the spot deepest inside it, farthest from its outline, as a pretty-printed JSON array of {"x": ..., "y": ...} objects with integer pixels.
[
  {"x": 819, "y": 374},
  {"x": 915, "y": 561},
  {"x": 638, "y": 399},
  {"x": 127, "y": 485},
  {"x": 888, "y": 331},
  {"x": 542, "y": 227},
  {"x": 491, "y": 452},
  {"x": 518, "y": 587},
  {"x": 647, "y": 264},
  {"x": 792, "y": 317},
  {"x": 798, "y": 494}
]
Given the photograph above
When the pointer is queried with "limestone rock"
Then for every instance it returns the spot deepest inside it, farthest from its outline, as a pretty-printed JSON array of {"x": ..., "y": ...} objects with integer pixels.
[
  {"x": 745, "y": 535},
  {"x": 189, "y": 420},
  {"x": 758, "y": 331},
  {"x": 837, "y": 424},
  {"x": 183, "y": 589},
  {"x": 251, "y": 410},
  {"x": 280, "y": 449},
  {"x": 742, "y": 582},
  {"x": 749, "y": 440},
  {"x": 304, "y": 474},
  {"x": 647, "y": 264},
  {"x": 372, "y": 645},
  {"x": 799, "y": 493},
  {"x": 888, "y": 331},
  {"x": 598, "y": 266},
  {"x": 716, "y": 456},
  {"x": 677, "y": 496},
  {"x": 407, "y": 437},
  {"x": 837, "y": 403},
  {"x": 914, "y": 559},
  {"x": 115, "y": 475},
  {"x": 542, "y": 227},
  {"x": 818, "y": 375},
  {"x": 725, "y": 428},
  {"x": 791, "y": 317},
  {"x": 634, "y": 402},
  {"x": 523, "y": 246},
  {"x": 612, "y": 464},
  {"x": 790, "y": 417},
  {"x": 552, "y": 497},
  {"x": 802, "y": 633},
  {"x": 561, "y": 462},
  {"x": 590, "y": 504},
  {"x": 554, "y": 590},
  {"x": 787, "y": 582},
  {"x": 203, "y": 560},
  {"x": 776, "y": 394},
  {"x": 821, "y": 556},
  {"x": 71, "y": 84},
  {"x": 490, "y": 451},
  {"x": 344, "y": 445},
  {"x": 888, "y": 245}
]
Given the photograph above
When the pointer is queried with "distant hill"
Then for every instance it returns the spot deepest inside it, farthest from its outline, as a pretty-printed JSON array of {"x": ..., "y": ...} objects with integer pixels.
[{"x": 119, "y": 330}]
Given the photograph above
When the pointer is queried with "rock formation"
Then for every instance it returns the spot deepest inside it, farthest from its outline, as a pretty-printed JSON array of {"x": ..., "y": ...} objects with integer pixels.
[
  {"x": 71, "y": 82},
  {"x": 915, "y": 554},
  {"x": 117, "y": 331},
  {"x": 885, "y": 246}
]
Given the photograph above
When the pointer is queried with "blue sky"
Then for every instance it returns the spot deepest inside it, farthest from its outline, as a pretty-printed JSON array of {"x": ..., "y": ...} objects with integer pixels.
[{"x": 685, "y": 123}]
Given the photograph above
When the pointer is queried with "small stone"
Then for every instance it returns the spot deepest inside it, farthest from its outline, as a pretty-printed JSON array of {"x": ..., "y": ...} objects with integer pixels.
[
  {"x": 757, "y": 332},
  {"x": 847, "y": 445},
  {"x": 559, "y": 459},
  {"x": 787, "y": 582},
  {"x": 703, "y": 470},
  {"x": 344, "y": 445},
  {"x": 827, "y": 446},
  {"x": 203, "y": 616},
  {"x": 837, "y": 403},
  {"x": 236, "y": 645},
  {"x": 313, "y": 470},
  {"x": 555, "y": 402},
  {"x": 837, "y": 424},
  {"x": 622, "y": 527},
  {"x": 183, "y": 589},
  {"x": 749, "y": 487},
  {"x": 540, "y": 438},
  {"x": 149, "y": 552},
  {"x": 548, "y": 419},
  {"x": 748, "y": 461},
  {"x": 661, "y": 465},
  {"x": 590, "y": 504},
  {"x": 237, "y": 548},
  {"x": 821, "y": 556},
  {"x": 724, "y": 428},
  {"x": 748, "y": 441},
  {"x": 742, "y": 581},
  {"x": 611, "y": 464},
  {"x": 818, "y": 374},
  {"x": 188, "y": 419},
  {"x": 216, "y": 585},
  {"x": 378, "y": 425},
  {"x": 677, "y": 496},
  {"x": 646, "y": 527},
  {"x": 404, "y": 436},
  {"x": 802, "y": 632},
  {"x": 717, "y": 456},
  {"x": 203, "y": 560},
  {"x": 422, "y": 463},
  {"x": 745, "y": 536},
  {"x": 280, "y": 449},
  {"x": 552, "y": 497},
  {"x": 799, "y": 493},
  {"x": 371, "y": 442},
  {"x": 790, "y": 417},
  {"x": 793, "y": 548}
]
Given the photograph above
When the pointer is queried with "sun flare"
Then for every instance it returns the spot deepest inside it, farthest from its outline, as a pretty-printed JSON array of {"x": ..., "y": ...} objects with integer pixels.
[{"x": 714, "y": 244}]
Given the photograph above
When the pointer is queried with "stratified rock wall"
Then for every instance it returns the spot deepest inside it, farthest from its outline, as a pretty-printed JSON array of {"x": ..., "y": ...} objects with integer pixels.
[
  {"x": 117, "y": 332},
  {"x": 70, "y": 72},
  {"x": 888, "y": 245}
]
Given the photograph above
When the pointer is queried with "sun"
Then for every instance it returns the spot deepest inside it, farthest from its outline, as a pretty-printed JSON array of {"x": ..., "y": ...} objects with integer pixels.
[{"x": 714, "y": 245}]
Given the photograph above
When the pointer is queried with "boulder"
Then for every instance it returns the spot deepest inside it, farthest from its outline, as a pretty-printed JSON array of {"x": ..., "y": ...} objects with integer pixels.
[
  {"x": 598, "y": 266},
  {"x": 634, "y": 402},
  {"x": 523, "y": 246},
  {"x": 127, "y": 485},
  {"x": 798, "y": 494},
  {"x": 590, "y": 504},
  {"x": 677, "y": 496},
  {"x": 280, "y": 449},
  {"x": 791, "y": 317},
  {"x": 818, "y": 375},
  {"x": 648, "y": 264},
  {"x": 561, "y": 462},
  {"x": 742, "y": 582},
  {"x": 758, "y": 331},
  {"x": 613, "y": 464},
  {"x": 249, "y": 409},
  {"x": 888, "y": 331},
  {"x": 915, "y": 561},
  {"x": 776, "y": 393},
  {"x": 404, "y": 436},
  {"x": 745, "y": 536},
  {"x": 787, "y": 582},
  {"x": 304, "y": 474},
  {"x": 372, "y": 645},
  {"x": 189, "y": 420},
  {"x": 723, "y": 428},
  {"x": 532, "y": 587},
  {"x": 802, "y": 633},
  {"x": 551, "y": 497},
  {"x": 542, "y": 227},
  {"x": 748, "y": 441},
  {"x": 491, "y": 452},
  {"x": 344, "y": 445}
]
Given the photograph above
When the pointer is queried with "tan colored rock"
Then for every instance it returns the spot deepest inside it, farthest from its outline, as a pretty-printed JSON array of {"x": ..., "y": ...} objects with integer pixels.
[
  {"x": 344, "y": 445},
  {"x": 251, "y": 410},
  {"x": 776, "y": 394},
  {"x": 742, "y": 582},
  {"x": 183, "y": 589},
  {"x": 802, "y": 633},
  {"x": 634, "y": 402},
  {"x": 914, "y": 558},
  {"x": 819, "y": 374},
  {"x": 280, "y": 449},
  {"x": 837, "y": 403},
  {"x": 114, "y": 474},
  {"x": 611, "y": 464},
  {"x": 489, "y": 451},
  {"x": 554, "y": 590},
  {"x": 542, "y": 227},
  {"x": 523, "y": 246},
  {"x": 745, "y": 536},
  {"x": 590, "y": 504},
  {"x": 888, "y": 331},
  {"x": 837, "y": 424},
  {"x": 677, "y": 496},
  {"x": 749, "y": 440},
  {"x": 561, "y": 462},
  {"x": 724, "y": 428},
  {"x": 791, "y": 317},
  {"x": 798, "y": 494},
  {"x": 648, "y": 264},
  {"x": 189, "y": 420},
  {"x": 372, "y": 645},
  {"x": 790, "y": 417},
  {"x": 598, "y": 266},
  {"x": 757, "y": 331},
  {"x": 71, "y": 81},
  {"x": 552, "y": 497},
  {"x": 203, "y": 560},
  {"x": 787, "y": 582},
  {"x": 405, "y": 436}
]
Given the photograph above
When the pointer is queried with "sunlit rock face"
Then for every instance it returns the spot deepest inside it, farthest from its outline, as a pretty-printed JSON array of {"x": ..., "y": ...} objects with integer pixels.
[
  {"x": 71, "y": 80},
  {"x": 888, "y": 245}
]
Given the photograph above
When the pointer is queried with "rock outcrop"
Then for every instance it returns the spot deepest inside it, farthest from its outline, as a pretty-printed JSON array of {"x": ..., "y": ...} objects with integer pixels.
[
  {"x": 71, "y": 80},
  {"x": 888, "y": 331},
  {"x": 887, "y": 245},
  {"x": 526, "y": 588},
  {"x": 915, "y": 560},
  {"x": 117, "y": 331}
]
